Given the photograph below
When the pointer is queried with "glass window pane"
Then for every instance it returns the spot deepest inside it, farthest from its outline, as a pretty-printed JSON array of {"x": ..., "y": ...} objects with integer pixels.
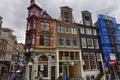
[{"x": 41, "y": 39}]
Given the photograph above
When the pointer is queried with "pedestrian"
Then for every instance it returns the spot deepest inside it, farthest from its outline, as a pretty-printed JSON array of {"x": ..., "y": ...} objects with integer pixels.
[{"x": 14, "y": 76}]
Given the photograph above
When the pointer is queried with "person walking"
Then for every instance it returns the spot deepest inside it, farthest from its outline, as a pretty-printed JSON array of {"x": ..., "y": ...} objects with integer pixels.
[{"x": 13, "y": 76}]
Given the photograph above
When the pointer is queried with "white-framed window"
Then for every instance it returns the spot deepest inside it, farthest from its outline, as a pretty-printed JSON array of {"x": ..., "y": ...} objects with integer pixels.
[
  {"x": 67, "y": 30},
  {"x": 94, "y": 32},
  {"x": 86, "y": 60},
  {"x": 68, "y": 41},
  {"x": 82, "y": 31},
  {"x": 60, "y": 41},
  {"x": 83, "y": 40},
  {"x": 88, "y": 31},
  {"x": 37, "y": 13},
  {"x": 98, "y": 55},
  {"x": 87, "y": 20},
  {"x": 73, "y": 30},
  {"x": 60, "y": 29},
  {"x": 90, "y": 43},
  {"x": 96, "y": 44},
  {"x": 93, "y": 61},
  {"x": 44, "y": 26},
  {"x": 74, "y": 42},
  {"x": 47, "y": 26}
]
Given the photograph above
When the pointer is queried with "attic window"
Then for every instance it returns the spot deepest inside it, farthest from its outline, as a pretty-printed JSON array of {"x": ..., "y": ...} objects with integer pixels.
[
  {"x": 87, "y": 18},
  {"x": 66, "y": 17}
]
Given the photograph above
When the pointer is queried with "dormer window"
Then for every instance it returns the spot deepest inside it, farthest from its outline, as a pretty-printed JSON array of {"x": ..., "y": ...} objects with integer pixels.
[
  {"x": 87, "y": 18},
  {"x": 66, "y": 17}
]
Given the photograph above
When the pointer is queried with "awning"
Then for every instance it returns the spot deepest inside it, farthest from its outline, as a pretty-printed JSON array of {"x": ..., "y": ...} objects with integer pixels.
[{"x": 3, "y": 65}]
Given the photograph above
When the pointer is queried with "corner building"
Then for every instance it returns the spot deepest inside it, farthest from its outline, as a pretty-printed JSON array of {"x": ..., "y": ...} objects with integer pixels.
[{"x": 40, "y": 43}]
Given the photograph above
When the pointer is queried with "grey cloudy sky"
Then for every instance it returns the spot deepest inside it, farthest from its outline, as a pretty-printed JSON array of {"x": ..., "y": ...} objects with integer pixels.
[{"x": 14, "y": 12}]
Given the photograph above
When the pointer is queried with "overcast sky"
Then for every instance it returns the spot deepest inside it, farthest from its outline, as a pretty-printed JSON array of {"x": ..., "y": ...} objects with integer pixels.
[{"x": 14, "y": 12}]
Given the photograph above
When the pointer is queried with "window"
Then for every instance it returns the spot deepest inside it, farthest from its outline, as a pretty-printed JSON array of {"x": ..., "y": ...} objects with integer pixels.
[
  {"x": 68, "y": 42},
  {"x": 73, "y": 30},
  {"x": 47, "y": 41},
  {"x": 88, "y": 31},
  {"x": 93, "y": 61},
  {"x": 37, "y": 13},
  {"x": 44, "y": 26},
  {"x": 94, "y": 32},
  {"x": 83, "y": 40},
  {"x": 90, "y": 43},
  {"x": 31, "y": 12},
  {"x": 44, "y": 40},
  {"x": 41, "y": 39},
  {"x": 96, "y": 44},
  {"x": 98, "y": 55},
  {"x": 71, "y": 55},
  {"x": 66, "y": 17},
  {"x": 87, "y": 20},
  {"x": 47, "y": 26},
  {"x": 29, "y": 42},
  {"x": 61, "y": 41},
  {"x": 82, "y": 31},
  {"x": 60, "y": 29},
  {"x": 74, "y": 42},
  {"x": 67, "y": 29},
  {"x": 86, "y": 61}
]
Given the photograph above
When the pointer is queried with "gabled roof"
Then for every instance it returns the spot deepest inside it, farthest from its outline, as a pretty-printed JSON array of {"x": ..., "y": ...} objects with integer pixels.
[
  {"x": 66, "y": 7},
  {"x": 86, "y": 11},
  {"x": 34, "y": 5},
  {"x": 46, "y": 15}
]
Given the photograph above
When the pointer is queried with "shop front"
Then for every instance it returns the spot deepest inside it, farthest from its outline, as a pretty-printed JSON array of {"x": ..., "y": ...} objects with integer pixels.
[
  {"x": 69, "y": 64},
  {"x": 42, "y": 64}
]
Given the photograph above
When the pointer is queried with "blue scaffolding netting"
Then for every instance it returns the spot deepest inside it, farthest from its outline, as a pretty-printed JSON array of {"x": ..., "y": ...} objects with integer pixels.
[
  {"x": 117, "y": 33},
  {"x": 105, "y": 43}
]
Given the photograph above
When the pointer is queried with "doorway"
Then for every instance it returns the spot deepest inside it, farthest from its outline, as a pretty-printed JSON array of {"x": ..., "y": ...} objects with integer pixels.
[
  {"x": 52, "y": 72},
  {"x": 43, "y": 68}
]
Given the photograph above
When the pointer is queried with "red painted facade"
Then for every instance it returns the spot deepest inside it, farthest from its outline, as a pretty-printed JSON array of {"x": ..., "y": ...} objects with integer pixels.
[{"x": 36, "y": 16}]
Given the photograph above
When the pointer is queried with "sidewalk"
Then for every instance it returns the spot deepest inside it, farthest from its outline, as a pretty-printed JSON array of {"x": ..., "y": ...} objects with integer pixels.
[
  {"x": 5, "y": 76},
  {"x": 8, "y": 76}
]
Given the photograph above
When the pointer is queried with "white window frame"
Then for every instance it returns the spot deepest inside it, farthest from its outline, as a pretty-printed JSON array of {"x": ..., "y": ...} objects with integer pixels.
[
  {"x": 60, "y": 29},
  {"x": 82, "y": 30},
  {"x": 94, "y": 60},
  {"x": 87, "y": 60},
  {"x": 73, "y": 30},
  {"x": 66, "y": 41},
  {"x": 88, "y": 31},
  {"x": 59, "y": 42},
  {"x": 76, "y": 42},
  {"x": 83, "y": 41},
  {"x": 94, "y": 32},
  {"x": 96, "y": 44},
  {"x": 67, "y": 29},
  {"x": 88, "y": 43}
]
